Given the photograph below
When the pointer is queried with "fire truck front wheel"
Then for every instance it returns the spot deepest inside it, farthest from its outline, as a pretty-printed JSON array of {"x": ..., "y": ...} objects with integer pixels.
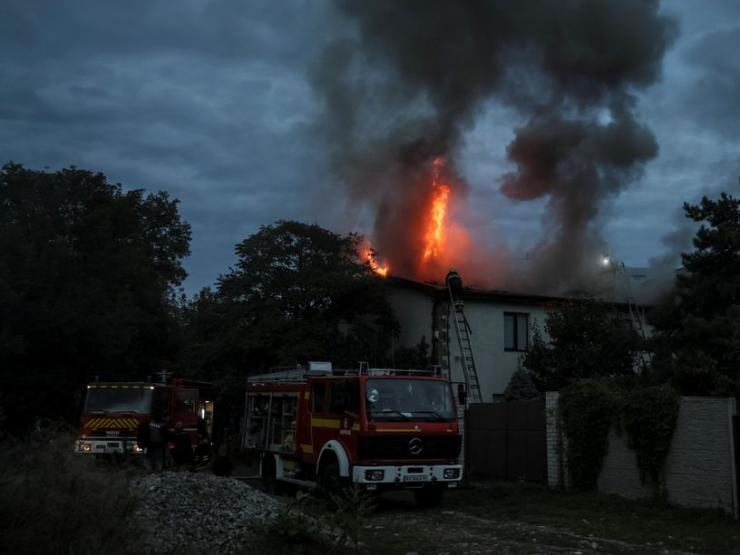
[
  {"x": 331, "y": 481},
  {"x": 429, "y": 497}
]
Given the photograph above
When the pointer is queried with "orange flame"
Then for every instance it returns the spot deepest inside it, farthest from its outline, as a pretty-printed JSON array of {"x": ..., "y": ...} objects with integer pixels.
[
  {"x": 369, "y": 255},
  {"x": 435, "y": 231}
]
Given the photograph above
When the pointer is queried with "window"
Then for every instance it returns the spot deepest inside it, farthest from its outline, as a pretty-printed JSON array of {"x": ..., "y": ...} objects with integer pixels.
[
  {"x": 516, "y": 331},
  {"x": 318, "y": 394},
  {"x": 405, "y": 399},
  {"x": 185, "y": 400},
  {"x": 104, "y": 398},
  {"x": 344, "y": 396}
]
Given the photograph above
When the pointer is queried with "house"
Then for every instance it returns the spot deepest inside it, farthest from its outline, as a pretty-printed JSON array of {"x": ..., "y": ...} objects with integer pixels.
[{"x": 500, "y": 323}]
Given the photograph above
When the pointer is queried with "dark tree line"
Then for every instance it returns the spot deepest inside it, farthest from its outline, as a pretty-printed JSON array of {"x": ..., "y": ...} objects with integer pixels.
[
  {"x": 89, "y": 286},
  {"x": 88, "y": 274},
  {"x": 89, "y": 277},
  {"x": 297, "y": 293},
  {"x": 695, "y": 344}
]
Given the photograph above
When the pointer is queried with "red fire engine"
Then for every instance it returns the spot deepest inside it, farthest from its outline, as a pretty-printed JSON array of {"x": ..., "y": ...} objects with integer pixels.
[
  {"x": 113, "y": 412},
  {"x": 377, "y": 428}
]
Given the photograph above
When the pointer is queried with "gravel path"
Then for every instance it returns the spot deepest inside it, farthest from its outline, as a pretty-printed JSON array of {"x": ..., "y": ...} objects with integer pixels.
[
  {"x": 202, "y": 513},
  {"x": 197, "y": 512}
]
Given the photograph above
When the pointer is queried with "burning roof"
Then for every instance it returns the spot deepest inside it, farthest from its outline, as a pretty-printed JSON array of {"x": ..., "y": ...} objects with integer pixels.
[{"x": 405, "y": 82}]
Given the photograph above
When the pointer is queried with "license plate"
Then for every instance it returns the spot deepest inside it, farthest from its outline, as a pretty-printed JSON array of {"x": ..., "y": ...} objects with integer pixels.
[{"x": 415, "y": 478}]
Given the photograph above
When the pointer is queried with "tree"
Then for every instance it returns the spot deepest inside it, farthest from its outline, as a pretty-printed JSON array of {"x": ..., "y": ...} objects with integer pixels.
[
  {"x": 697, "y": 343},
  {"x": 521, "y": 387},
  {"x": 586, "y": 339},
  {"x": 416, "y": 357},
  {"x": 298, "y": 292},
  {"x": 88, "y": 276}
]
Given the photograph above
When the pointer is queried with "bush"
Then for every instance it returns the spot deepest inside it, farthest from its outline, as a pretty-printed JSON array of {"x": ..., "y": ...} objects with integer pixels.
[
  {"x": 521, "y": 387},
  {"x": 649, "y": 416},
  {"x": 587, "y": 408},
  {"x": 53, "y": 501},
  {"x": 648, "y": 413},
  {"x": 294, "y": 531},
  {"x": 313, "y": 526}
]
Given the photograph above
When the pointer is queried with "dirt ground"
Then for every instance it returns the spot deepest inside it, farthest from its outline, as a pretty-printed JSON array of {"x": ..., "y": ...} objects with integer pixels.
[
  {"x": 398, "y": 526},
  {"x": 518, "y": 518}
]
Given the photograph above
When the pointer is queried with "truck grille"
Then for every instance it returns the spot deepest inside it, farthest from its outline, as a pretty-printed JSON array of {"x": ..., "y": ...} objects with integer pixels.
[{"x": 409, "y": 447}]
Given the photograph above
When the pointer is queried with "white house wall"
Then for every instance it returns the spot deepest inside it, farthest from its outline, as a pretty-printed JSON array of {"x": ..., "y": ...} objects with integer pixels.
[
  {"x": 413, "y": 310},
  {"x": 495, "y": 365}
]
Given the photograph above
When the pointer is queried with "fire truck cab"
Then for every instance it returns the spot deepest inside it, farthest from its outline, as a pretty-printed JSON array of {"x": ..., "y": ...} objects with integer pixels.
[
  {"x": 113, "y": 412},
  {"x": 378, "y": 428}
]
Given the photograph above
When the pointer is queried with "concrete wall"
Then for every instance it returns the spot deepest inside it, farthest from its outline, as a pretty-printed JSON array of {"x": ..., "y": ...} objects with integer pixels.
[
  {"x": 556, "y": 459},
  {"x": 700, "y": 467}
]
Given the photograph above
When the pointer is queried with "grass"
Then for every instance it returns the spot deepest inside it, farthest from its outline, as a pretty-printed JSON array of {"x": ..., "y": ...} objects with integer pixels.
[
  {"x": 512, "y": 517},
  {"x": 53, "y": 501},
  {"x": 602, "y": 516}
]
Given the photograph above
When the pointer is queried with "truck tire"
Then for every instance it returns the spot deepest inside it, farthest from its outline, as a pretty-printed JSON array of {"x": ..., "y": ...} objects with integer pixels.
[
  {"x": 429, "y": 497},
  {"x": 331, "y": 481},
  {"x": 269, "y": 473},
  {"x": 269, "y": 476}
]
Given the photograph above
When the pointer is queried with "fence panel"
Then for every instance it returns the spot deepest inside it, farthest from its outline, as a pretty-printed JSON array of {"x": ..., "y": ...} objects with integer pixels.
[{"x": 506, "y": 441}]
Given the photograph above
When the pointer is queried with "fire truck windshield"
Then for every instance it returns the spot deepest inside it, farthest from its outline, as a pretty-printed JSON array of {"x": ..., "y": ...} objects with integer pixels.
[
  {"x": 409, "y": 399},
  {"x": 110, "y": 399}
]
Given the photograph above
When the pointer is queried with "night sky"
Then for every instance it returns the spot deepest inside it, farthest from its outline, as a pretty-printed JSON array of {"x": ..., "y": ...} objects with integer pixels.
[{"x": 212, "y": 102}]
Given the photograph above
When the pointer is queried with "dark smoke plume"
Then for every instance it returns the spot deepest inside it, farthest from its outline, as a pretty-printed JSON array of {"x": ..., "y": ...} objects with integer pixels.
[{"x": 407, "y": 79}]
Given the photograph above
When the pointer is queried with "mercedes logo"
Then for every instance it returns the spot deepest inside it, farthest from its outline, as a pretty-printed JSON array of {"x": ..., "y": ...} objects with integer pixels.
[{"x": 416, "y": 446}]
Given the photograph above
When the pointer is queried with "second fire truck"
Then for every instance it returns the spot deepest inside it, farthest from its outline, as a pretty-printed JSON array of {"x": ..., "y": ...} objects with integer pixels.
[
  {"x": 113, "y": 412},
  {"x": 380, "y": 429}
]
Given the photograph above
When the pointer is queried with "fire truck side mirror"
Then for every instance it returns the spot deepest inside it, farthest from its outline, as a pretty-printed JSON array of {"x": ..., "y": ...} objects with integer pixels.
[{"x": 461, "y": 393}]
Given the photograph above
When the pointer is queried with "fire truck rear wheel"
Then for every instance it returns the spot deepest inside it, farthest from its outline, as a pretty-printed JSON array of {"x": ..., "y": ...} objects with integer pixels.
[
  {"x": 269, "y": 473},
  {"x": 429, "y": 497}
]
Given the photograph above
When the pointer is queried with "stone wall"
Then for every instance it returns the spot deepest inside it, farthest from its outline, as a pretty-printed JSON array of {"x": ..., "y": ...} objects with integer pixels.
[
  {"x": 700, "y": 467},
  {"x": 556, "y": 476}
]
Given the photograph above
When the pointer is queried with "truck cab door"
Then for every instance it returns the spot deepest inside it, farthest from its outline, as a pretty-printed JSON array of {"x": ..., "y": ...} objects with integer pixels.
[
  {"x": 344, "y": 406},
  {"x": 313, "y": 432}
]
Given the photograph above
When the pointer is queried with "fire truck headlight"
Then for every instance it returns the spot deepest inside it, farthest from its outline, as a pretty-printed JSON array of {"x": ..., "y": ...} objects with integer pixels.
[
  {"x": 85, "y": 447},
  {"x": 374, "y": 475},
  {"x": 451, "y": 473},
  {"x": 136, "y": 449}
]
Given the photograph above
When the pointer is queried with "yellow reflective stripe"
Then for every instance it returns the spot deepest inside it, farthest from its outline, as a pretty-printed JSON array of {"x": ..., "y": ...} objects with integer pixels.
[
  {"x": 308, "y": 449},
  {"x": 333, "y": 423},
  {"x": 128, "y": 423},
  {"x": 325, "y": 423}
]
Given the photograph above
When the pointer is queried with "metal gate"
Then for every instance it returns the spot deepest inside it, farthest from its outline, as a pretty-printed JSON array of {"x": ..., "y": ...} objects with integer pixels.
[{"x": 506, "y": 441}]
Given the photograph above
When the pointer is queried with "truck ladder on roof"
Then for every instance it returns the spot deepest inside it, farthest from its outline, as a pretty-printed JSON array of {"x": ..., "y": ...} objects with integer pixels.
[{"x": 463, "y": 331}]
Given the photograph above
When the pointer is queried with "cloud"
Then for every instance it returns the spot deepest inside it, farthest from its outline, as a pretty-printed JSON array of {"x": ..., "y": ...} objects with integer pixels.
[
  {"x": 207, "y": 100},
  {"x": 211, "y": 102}
]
